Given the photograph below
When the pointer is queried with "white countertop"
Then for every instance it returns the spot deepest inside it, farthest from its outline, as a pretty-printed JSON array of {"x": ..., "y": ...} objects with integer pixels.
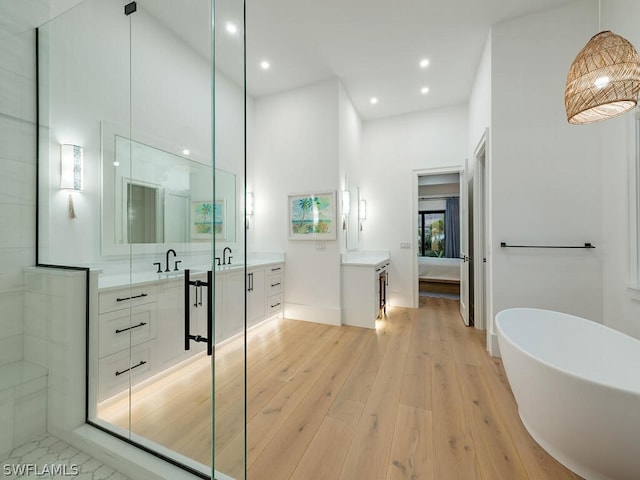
[
  {"x": 139, "y": 278},
  {"x": 365, "y": 259}
]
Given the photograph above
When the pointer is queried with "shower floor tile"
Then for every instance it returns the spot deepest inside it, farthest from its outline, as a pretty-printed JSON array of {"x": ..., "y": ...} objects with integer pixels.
[{"x": 47, "y": 457}]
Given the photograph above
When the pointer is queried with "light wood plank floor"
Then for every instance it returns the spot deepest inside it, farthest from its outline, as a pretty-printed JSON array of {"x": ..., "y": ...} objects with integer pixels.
[{"x": 418, "y": 398}]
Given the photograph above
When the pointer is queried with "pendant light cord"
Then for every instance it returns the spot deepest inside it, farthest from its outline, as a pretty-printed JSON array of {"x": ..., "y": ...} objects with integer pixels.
[{"x": 599, "y": 15}]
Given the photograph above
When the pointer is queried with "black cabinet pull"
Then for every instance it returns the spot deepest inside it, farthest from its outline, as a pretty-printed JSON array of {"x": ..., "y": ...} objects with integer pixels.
[
  {"x": 275, "y": 284},
  {"x": 131, "y": 298},
  {"x": 142, "y": 362},
  {"x": 276, "y": 305},
  {"x": 276, "y": 269},
  {"x": 141, "y": 324}
]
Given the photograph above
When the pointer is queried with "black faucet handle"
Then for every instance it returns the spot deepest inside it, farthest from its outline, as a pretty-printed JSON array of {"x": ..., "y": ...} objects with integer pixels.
[
  {"x": 229, "y": 260},
  {"x": 217, "y": 259},
  {"x": 175, "y": 265},
  {"x": 159, "y": 267}
]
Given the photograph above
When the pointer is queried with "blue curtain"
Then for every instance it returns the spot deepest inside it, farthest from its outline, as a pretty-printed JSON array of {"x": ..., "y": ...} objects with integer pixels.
[{"x": 452, "y": 229}]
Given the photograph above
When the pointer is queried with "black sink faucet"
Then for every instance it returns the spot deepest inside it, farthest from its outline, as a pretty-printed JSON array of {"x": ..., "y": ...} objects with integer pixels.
[
  {"x": 171, "y": 250},
  {"x": 224, "y": 256}
]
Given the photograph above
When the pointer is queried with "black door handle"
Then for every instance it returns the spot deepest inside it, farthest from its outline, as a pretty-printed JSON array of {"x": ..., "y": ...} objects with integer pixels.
[{"x": 187, "y": 311}]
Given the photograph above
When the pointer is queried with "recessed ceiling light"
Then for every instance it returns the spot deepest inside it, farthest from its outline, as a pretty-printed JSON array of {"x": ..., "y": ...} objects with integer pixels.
[
  {"x": 424, "y": 63},
  {"x": 186, "y": 151},
  {"x": 265, "y": 65},
  {"x": 231, "y": 28},
  {"x": 373, "y": 100},
  {"x": 424, "y": 90}
]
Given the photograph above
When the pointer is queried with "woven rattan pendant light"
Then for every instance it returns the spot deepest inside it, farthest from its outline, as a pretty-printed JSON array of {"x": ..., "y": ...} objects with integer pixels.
[{"x": 603, "y": 81}]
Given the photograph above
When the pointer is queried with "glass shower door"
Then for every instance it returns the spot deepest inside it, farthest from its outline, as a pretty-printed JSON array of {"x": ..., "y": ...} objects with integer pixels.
[
  {"x": 185, "y": 179},
  {"x": 134, "y": 87}
]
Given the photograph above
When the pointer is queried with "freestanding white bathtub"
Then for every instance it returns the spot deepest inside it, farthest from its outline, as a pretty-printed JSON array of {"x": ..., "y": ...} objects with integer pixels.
[{"x": 577, "y": 386}]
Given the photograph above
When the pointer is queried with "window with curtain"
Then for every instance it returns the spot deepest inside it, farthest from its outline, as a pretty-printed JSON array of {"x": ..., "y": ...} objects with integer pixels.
[{"x": 431, "y": 233}]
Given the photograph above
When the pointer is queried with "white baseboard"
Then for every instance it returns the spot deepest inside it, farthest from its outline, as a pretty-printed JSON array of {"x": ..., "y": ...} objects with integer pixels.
[
  {"x": 312, "y": 313},
  {"x": 494, "y": 348}
]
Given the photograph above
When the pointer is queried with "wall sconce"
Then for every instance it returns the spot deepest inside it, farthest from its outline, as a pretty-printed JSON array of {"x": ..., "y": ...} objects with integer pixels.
[
  {"x": 248, "y": 207},
  {"x": 362, "y": 211},
  {"x": 346, "y": 207},
  {"x": 346, "y": 202},
  {"x": 71, "y": 165}
]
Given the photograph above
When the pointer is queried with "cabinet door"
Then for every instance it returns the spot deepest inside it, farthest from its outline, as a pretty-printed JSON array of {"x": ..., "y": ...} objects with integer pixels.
[
  {"x": 218, "y": 312},
  {"x": 170, "y": 323},
  {"x": 232, "y": 320},
  {"x": 256, "y": 297}
]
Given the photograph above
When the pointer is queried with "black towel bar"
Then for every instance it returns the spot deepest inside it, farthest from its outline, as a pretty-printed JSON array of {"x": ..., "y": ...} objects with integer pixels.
[{"x": 586, "y": 245}]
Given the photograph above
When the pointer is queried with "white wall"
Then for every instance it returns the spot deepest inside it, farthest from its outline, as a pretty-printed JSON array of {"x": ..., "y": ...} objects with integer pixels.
[
  {"x": 546, "y": 183},
  {"x": 617, "y": 151},
  {"x": 296, "y": 150},
  {"x": 480, "y": 101},
  {"x": 392, "y": 149}
]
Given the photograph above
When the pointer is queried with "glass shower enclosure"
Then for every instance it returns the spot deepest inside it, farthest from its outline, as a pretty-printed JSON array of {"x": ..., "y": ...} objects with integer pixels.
[{"x": 141, "y": 179}]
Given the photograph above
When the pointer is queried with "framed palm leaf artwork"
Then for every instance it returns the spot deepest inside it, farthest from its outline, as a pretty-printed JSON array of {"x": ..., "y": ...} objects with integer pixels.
[
  {"x": 208, "y": 218},
  {"x": 312, "y": 216}
]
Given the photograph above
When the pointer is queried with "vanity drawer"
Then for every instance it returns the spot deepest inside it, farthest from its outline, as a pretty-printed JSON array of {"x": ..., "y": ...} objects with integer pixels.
[
  {"x": 122, "y": 328},
  {"x": 274, "y": 284},
  {"x": 118, "y": 369},
  {"x": 120, "y": 298},
  {"x": 275, "y": 269},
  {"x": 274, "y": 305}
]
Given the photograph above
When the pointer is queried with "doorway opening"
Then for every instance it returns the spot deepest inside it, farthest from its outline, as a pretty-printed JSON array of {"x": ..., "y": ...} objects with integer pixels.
[{"x": 437, "y": 226}]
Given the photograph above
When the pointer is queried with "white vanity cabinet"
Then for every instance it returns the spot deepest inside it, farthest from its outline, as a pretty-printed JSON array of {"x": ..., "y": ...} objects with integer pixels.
[
  {"x": 264, "y": 287},
  {"x": 255, "y": 295},
  {"x": 364, "y": 284},
  {"x": 229, "y": 319},
  {"x": 171, "y": 321},
  {"x": 141, "y": 327},
  {"x": 274, "y": 290},
  {"x": 128, "y": 317}
]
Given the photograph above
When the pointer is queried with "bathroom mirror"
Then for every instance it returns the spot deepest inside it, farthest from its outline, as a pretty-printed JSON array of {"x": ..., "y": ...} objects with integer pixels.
[
  {"x": 353, "y": 231},
  {"x": 152, "y": 196}
]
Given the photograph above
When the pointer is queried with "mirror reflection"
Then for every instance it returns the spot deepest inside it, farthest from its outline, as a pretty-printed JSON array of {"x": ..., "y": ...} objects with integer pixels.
[
  {"x": 161, "y": 197},
  {"x": 353, "y": 232}
]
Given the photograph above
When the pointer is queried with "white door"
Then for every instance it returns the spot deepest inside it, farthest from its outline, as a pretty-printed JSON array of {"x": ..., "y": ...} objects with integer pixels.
[{"x": 464, "y": 245}]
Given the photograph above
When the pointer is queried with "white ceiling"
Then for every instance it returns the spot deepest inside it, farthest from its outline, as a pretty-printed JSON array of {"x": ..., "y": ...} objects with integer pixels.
[{"x": 372, "y": 46}]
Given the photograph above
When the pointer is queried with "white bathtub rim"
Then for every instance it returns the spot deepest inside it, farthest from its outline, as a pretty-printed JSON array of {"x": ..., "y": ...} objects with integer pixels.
[
  {"x": 552, "y": 366},
  {"x": 586, "y": 473}
]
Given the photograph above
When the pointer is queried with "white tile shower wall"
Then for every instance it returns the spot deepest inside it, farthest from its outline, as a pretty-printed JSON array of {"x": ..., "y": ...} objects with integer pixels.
[
  {"x": 17, "y": 162},
  {"x": 22, "y": 412},
  {"x": 6, "y": 421},
  {"x": 54, "y": 331},
  {"x": 23, "y": 404}
]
